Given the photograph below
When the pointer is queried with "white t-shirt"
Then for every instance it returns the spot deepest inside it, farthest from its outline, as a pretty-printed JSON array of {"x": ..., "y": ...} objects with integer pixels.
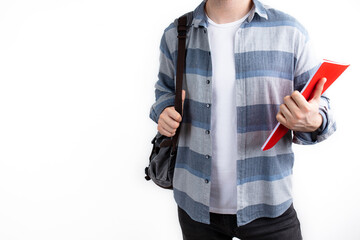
[{"x": 223, "y": 197}]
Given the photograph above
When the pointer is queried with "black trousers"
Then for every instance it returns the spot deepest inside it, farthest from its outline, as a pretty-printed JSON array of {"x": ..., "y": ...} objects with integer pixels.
[{"x": 224, "y": 227}]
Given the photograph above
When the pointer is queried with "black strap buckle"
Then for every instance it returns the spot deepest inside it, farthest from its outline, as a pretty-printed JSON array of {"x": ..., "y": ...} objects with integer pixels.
[
  {"x": 182, "y": 34},
  {"x": 182, "y": 29}
]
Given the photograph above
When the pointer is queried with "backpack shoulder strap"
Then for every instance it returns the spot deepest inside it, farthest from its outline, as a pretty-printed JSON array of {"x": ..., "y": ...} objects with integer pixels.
[
  {"x": 182, "y": 31},
  {"x": 182, "y": 25}
]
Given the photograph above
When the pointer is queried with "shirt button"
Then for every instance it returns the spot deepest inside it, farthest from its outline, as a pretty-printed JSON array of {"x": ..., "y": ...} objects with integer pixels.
[
  {"x": 206, "y": 180},
  {"x": 208, "y": 105},
  {"x": 208, "y": 81},
  {"x": 207, "y": 156},
  {"x": 207, "y": 132}
]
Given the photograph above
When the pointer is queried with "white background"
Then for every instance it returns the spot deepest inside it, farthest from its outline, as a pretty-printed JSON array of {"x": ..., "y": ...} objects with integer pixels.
[{"x": 76, "y": 85}]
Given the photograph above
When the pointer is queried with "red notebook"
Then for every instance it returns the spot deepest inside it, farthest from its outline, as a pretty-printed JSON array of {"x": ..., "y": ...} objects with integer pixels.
[{"x": 329, "y": 69}]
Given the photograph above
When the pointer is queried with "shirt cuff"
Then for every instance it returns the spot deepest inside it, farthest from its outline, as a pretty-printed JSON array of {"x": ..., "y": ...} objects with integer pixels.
[{"x": 312, "y": 137}]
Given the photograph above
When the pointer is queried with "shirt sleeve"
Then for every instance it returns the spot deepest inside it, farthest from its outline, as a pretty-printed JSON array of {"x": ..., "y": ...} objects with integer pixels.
[
  {"x": 165, "y": 85},
  {"x": 306, "y": 66}
]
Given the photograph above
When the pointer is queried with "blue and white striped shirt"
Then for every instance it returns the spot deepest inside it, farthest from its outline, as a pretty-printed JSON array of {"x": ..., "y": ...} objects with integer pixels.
[{"x": 273, "y": 57}]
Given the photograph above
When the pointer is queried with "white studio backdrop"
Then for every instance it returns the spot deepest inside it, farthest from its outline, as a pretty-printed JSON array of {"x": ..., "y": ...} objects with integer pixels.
[{"x": 76, "y": 85}]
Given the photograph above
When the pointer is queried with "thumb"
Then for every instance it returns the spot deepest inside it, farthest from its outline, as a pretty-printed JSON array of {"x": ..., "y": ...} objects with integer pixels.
[
  {"x": 183, "y": 99},
  {"x": 318, "y": 89}
]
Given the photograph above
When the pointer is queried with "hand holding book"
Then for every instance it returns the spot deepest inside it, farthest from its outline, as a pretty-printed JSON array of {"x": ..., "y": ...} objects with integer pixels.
[
  {"x": 298, "y": 114},
  {"x": 329, "y": 70}
]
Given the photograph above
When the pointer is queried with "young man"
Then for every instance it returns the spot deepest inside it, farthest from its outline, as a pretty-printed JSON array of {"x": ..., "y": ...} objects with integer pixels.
[{"x": 245, "y": 66}]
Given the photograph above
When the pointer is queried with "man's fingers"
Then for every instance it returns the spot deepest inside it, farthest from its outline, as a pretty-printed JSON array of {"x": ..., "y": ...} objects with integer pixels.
[
  {"x": 165, "y": 132},
  {"x": 172, "y": 113},
  {"x": 319, "y": 88},
  {"x": 169, "y": 121},
  {"x": 169, "y": 124},
  {"x": 281, "y": 119},
  {"x": 299, "y": 100},
  {"x": 291, "y": 104},
  {"x": 183, "y": 99},
  {"x": 285, "y": 111},
  {"x": 175, "y": 116}
]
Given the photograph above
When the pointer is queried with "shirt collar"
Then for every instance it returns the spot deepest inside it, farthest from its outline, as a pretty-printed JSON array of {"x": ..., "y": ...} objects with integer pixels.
[{"x": 200, "y": 20}]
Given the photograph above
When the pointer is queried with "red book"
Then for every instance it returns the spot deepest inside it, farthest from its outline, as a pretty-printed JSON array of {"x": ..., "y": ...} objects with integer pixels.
[{"x": 328, "y": 69}]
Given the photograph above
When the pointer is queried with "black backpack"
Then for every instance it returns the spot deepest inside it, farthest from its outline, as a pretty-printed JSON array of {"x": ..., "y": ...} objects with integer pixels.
[{"x": 164, "y": 151}]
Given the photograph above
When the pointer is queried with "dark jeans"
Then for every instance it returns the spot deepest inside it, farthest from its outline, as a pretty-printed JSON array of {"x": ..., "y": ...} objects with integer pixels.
[{"x": 224, "y": 227}]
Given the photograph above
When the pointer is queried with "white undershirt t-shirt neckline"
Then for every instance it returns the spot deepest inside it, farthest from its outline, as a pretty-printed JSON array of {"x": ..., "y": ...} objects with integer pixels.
[{"x": 223, "y": 194}]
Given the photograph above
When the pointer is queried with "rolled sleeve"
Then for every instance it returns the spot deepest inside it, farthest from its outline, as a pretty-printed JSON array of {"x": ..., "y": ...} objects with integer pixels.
[
  {"x": 165, "y": 85},
  {"x": 307, "y": 65},
  {"x": 327, "y": 128}
]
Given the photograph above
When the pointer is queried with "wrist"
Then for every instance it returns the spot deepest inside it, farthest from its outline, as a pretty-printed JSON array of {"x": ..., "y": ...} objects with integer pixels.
[{"x": 318, "y": 122}]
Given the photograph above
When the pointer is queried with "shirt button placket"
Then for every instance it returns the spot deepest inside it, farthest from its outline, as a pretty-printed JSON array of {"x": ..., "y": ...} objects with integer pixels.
[{"x": 207, "y": 136}]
